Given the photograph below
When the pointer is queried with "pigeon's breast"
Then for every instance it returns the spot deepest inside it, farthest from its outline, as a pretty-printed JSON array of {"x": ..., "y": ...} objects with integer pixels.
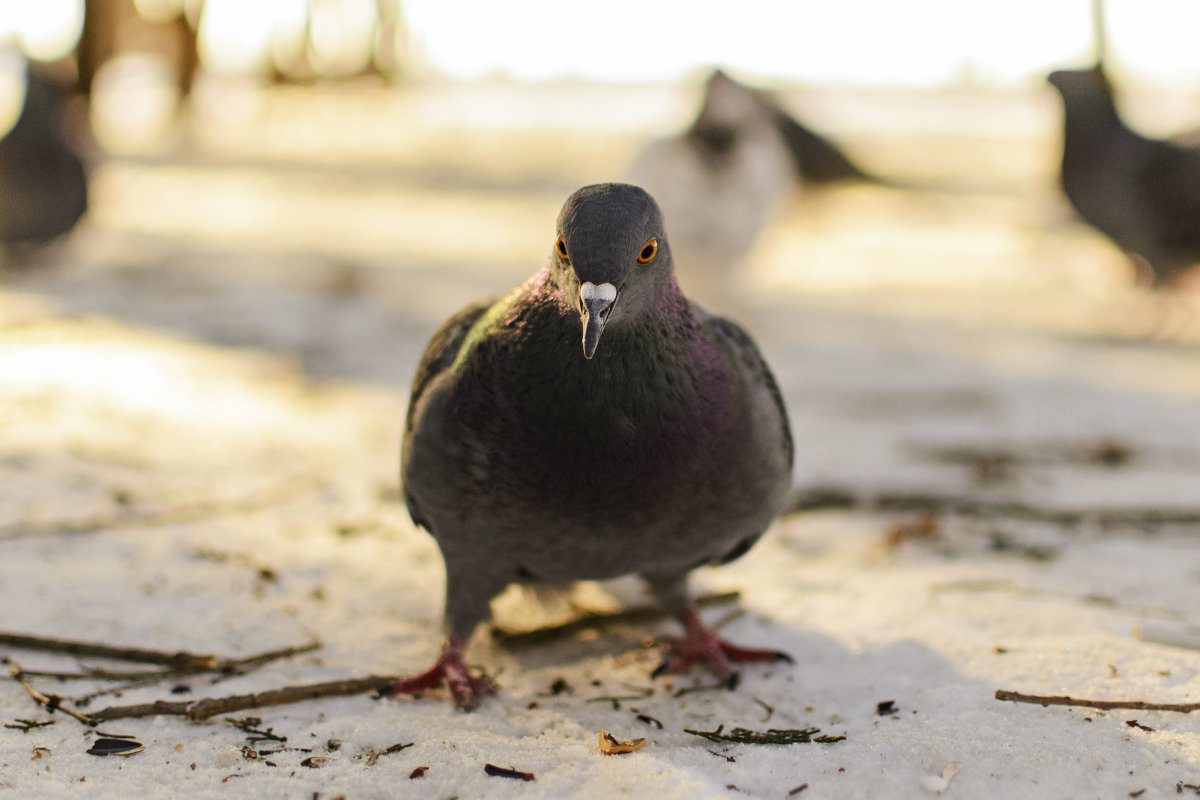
[{"x": 620, "y": 436}]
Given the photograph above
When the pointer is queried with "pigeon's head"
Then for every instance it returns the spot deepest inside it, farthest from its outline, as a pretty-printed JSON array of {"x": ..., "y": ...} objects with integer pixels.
[
  {"x": 1084, "y": 87},
  {"x": 730, "y": 111},
  {"x": 611, "y": 259}
]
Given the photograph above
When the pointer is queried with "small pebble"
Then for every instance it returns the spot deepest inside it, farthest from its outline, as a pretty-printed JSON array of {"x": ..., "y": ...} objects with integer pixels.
[{"x": 934, "y": 783}]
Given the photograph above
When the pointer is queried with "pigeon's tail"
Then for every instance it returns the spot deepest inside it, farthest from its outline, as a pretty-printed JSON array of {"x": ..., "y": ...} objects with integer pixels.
[{"x": 816, "y": 159}]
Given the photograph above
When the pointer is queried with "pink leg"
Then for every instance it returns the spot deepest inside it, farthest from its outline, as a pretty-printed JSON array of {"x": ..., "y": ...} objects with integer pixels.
[
  {"x": 451, "y": 672},
  {"x": 701, "y": 645}
]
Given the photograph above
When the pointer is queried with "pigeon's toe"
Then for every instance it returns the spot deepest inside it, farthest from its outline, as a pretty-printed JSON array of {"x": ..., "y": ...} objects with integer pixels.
[
  {"x": 468, "y": 688},
  {"x": 701, "y": 646}
]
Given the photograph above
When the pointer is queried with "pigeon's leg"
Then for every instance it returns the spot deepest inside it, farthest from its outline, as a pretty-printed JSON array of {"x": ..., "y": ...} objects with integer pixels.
[
  {"x": 700, "y": 644},
  {"x": 467, "y": 604},
  {"x": 449, "y": 671}
]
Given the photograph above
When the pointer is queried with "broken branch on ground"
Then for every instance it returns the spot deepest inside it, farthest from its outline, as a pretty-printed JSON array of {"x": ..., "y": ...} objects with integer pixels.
[
  {"x": 51, "y": 702},
  {"x": 634, "y": 615},
  {"x": 832, "y": 498},
  {"x": 180, "y": 660},
  {"x": 1103, "y": 705},
  {"x": 177, "y": 663},
  {"x": 204, "y": 708}
]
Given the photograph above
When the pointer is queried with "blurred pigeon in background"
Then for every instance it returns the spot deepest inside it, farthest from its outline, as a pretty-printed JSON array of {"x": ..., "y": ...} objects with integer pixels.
[
  {"x": 591, "y": 424},
  {"x": 43, "y": 183},
  {"x": 721, "y": 181},
  {"x": 718, "y": 184},
  {"x": 1144, "y": 194},
  {"x": 815, "y": 158}
]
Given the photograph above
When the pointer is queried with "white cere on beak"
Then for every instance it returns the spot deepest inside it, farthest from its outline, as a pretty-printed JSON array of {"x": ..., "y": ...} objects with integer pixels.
[
  {"x": 597, "y": 305},
  {"x": 605, "y": 292}
]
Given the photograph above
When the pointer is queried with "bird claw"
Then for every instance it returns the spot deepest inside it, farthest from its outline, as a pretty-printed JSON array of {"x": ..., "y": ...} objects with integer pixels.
[
  {"x": 466, "y": 687},
  {"x": 701, "y": 645}
]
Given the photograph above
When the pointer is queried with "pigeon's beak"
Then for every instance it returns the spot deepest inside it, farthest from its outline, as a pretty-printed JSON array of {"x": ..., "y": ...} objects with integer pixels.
[{"x": 597, "y": 302}]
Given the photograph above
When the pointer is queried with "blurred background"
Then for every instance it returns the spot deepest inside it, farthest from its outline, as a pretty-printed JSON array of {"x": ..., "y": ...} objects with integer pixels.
[{"x": 328, "y": 179}]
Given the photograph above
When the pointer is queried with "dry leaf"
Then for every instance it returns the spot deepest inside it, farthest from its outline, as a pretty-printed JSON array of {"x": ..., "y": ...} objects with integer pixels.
[{"x": 611, "y": 745}]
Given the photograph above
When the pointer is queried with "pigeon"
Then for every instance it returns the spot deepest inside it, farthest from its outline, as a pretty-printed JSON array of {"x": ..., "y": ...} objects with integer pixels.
[
  {"x": 719, "y": 183},
  {"x": 816, "y": 159},
  {"x": 733, "y": 171},
  {"x": 43, "y": 183},
  {"x": 592, "y": 423},
  {"x": 1142, "y": 193}
]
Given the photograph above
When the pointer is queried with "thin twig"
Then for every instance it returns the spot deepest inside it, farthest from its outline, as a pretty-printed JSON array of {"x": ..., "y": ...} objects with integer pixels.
[
  {"x": 770, "y": 709},
  {"x": 177, "y": 663},
  {"x": 1103, "y": 705},
  {"x": 204, "y": 708},
  {"x": 600, "y": 620},
  {"x": 103, "y": 674},
  {"x": 372, "y": 756},
  {"x": 179, "y": 660},
  {"x": 616, "y": 699},
  {"x": 834, "y": 498},
  {"x": 83, "y": 700},
  {"x": 26, "y": 725},
  {"x": 50, "y": 702},
  {"x": 973, "y": 507},
  {"x": 249, "y": 726},
  {"x": 240, "y": 666},
  {"x": 507, "y": 772},
  {"x": 707, "y": 687}
]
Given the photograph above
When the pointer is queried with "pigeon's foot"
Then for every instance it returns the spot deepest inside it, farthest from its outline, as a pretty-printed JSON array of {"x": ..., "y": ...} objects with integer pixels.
[
  {"x": 449, "y": 671},
  {"x": 701, "y": 645}
]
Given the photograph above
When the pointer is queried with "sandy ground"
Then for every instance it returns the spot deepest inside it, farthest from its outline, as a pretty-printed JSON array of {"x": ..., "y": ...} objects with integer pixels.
[{"x": 200, "y": 401}]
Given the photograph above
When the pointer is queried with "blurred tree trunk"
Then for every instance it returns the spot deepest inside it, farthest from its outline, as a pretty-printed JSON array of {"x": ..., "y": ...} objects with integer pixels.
[
  {"x": 187, "y": 54},
  {"x": 98, "y": 42},
  {"x": 113, "y": 26}
]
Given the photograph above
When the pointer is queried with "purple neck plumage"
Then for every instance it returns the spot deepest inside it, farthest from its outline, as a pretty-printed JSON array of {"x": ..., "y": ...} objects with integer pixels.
[
  {"x": 659, "y": 391},
  {"x": 668, "y": 334}
]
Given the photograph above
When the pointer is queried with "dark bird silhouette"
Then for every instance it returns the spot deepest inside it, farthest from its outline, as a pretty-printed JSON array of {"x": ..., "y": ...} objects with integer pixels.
[
  {"x": 593, "y": 423},
  {"x": 1142, "y": 193},
  {"x": 43, "y": 183},
  {"x": 718, "y": 183},
  {"x": 724, "y": 178},
  {"x": 816, "y": 159}
]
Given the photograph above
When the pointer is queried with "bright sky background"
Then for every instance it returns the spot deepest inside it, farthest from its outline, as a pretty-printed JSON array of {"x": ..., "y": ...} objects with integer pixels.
[
  {"x": 890, "y": 42},
  {"x": 880, "y": 42}
]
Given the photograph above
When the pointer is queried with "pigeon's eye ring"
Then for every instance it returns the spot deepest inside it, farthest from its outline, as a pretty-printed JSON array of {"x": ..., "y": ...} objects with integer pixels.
[
  {"x": 649, "y": 251},
  {"x": 561, "y": 247}
]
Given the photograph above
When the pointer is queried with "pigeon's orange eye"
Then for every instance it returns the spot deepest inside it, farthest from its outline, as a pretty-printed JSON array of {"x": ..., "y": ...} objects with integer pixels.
[
  {"x": 649, "y": 251},
  {"x": 561, "y": 246}
]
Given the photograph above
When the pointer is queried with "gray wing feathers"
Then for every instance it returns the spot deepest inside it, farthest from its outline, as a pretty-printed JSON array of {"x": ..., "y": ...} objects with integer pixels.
[
  {"x": 439, "y": 356},
  {"x": 755, "y": 368}
]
